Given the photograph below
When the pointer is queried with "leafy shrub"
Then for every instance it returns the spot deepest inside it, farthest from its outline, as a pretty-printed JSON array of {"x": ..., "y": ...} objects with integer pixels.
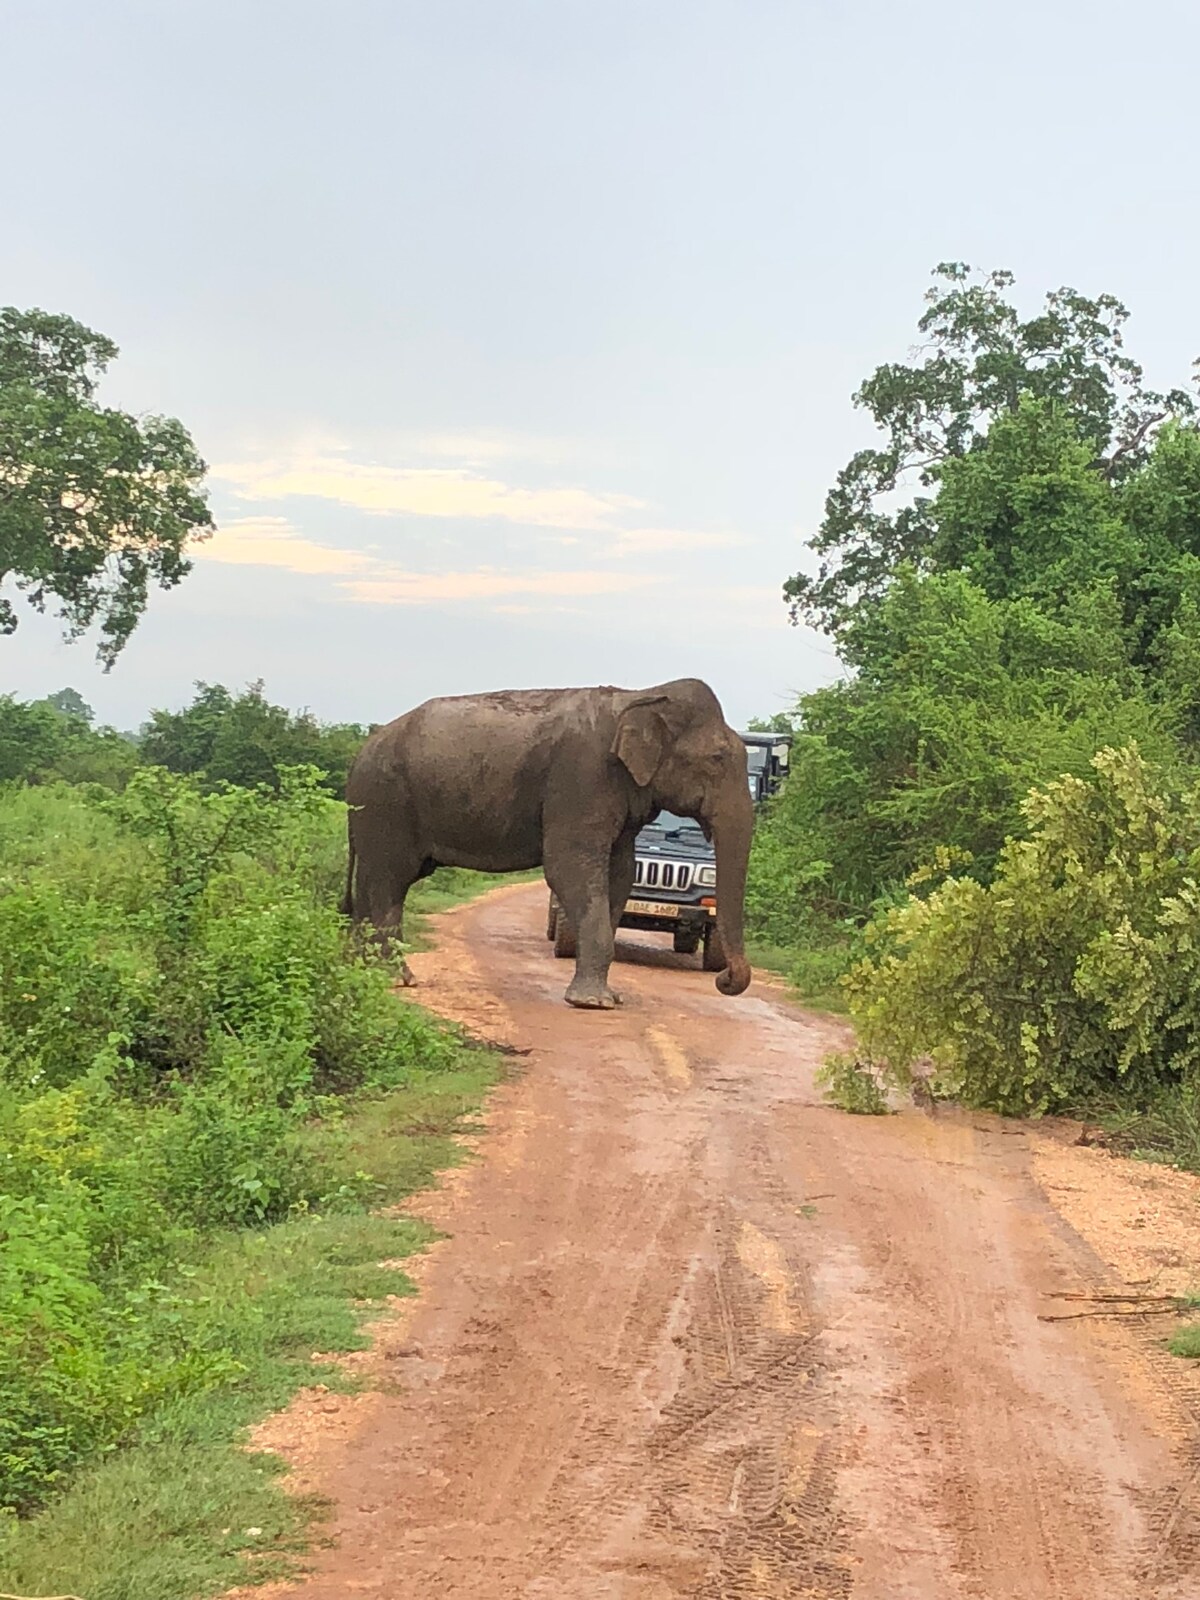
[
  {"x": 244, "y": 739},
  {"x": 853, "y": 1085},
  {"x": 42, "y": 742},
  {"x": 963, "y": 704},
  {"x": 178, "y": 998},
  {"x": 1072, "y": 973}
]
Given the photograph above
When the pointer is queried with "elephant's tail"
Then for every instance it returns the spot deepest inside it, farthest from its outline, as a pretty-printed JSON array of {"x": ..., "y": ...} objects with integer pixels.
[{"x": 347, "y": 905}]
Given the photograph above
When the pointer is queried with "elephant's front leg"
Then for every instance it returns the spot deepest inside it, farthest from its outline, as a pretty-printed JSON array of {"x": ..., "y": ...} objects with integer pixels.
[{"x": 580, "y": 881}]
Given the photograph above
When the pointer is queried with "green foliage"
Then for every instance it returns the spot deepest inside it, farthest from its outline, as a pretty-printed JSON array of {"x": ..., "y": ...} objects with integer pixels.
[
  {"x": 1013, "y": 581},
  {"x": 230, "y": 1324},
  {"x": 1186, "y": 1342},
  {"x": 852, "y": 1085},
  {"x": 244, "y": 739},
  {"x": 1072, "y": 974},
  {"x": 1025, "y": 514},
  {"x": 72, "y": 704},
  {"x": 178, "y": 1001},
  {"x": 964, "y": 704},
  {"x": 979, "y": 360},
  {"x": 45, "y": 740},
  {"x": 221, "y": 738},
  {"x": 95, "y": 504}
]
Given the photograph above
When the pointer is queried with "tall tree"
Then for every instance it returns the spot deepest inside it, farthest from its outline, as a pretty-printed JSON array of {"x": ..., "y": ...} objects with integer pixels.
[
  {"x": 72, "y": 704},
  {"x": 95, "y": 504},
  {"x": 978, "y": 361}
]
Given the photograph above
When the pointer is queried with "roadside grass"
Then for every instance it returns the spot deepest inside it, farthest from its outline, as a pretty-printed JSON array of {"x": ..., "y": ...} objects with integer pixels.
[
  {"x": 182, "y": 1510},
  {"x": 1165, "y": 1128},
  {"x": 851, "y": 1085},
  {"x": 811, "y": 970},
  {"x": 451, "y": 886},
  {"x": 1186, "y": 1341}
]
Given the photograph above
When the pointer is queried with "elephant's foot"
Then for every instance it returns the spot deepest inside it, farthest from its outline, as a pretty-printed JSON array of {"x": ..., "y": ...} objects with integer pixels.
[{"x": 592, "y": 996}]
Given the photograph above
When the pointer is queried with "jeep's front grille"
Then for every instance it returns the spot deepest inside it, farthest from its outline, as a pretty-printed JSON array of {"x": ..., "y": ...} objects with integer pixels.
[{"x": 651, "y": 874}]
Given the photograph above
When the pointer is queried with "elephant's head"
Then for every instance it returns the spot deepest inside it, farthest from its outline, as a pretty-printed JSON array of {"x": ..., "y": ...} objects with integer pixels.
[{"x": 675, "y": 744}]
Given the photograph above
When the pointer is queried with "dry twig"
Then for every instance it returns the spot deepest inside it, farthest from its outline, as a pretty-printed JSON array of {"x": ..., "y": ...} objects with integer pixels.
[{"x": 1128, "y": 1311}]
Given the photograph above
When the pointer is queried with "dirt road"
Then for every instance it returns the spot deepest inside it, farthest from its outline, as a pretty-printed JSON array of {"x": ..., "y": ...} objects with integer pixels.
[{"x": 696, "y": 1334}]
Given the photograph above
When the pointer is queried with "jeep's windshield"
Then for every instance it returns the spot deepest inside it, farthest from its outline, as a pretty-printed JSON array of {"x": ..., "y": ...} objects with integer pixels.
[{"x": 668, "y": 823}]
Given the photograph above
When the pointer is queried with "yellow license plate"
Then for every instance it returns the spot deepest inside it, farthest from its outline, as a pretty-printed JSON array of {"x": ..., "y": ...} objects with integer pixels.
[{"x": 652, "y": 908}]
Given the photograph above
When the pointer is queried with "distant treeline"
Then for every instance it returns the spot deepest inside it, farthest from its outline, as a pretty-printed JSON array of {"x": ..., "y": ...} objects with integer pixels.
[{"x": 220, "y": 737}]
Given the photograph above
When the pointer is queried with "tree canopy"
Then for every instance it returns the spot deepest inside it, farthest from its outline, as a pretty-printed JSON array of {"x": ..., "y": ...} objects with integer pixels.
[
  {"x": 1064, "y": 371},
  {"x": 44, "y": 741},
  {"x": 1035, "y": 599},
  {"x": 96, "y": 505},
  {"x": 244, "y": 739}
]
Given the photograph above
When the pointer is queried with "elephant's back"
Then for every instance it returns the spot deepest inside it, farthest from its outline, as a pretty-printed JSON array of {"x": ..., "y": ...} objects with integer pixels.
[
  {"x": 496, "y": 743},
  {"x": 501, "y": 715}
]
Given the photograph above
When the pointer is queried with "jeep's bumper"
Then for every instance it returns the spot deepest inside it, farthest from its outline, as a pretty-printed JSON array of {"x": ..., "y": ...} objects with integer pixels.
[{"x": 664, "y": 916}]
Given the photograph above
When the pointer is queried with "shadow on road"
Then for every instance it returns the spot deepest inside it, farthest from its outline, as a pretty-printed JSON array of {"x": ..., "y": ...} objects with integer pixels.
[{"x": 635, "y": 953}]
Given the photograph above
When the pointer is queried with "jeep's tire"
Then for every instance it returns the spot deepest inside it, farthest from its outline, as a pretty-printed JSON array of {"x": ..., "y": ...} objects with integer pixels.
[
  {"x": 714, "y": 950},
  {"x": 564, "y": 937},
  {"x": 686, "y": 941},
  {"x": 551, "y": 918}
]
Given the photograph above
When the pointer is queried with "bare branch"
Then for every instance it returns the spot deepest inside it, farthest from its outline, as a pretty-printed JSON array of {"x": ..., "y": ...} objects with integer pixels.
[{"x": 1109, "y": 463}]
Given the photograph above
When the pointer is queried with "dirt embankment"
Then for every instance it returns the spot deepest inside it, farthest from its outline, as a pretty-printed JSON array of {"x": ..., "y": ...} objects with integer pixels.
[{"x": 695, "y": 1333}]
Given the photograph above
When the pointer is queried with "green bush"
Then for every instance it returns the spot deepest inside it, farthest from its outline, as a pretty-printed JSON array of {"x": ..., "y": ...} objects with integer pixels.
[
  {"x": 964, "y": 704},
  {"x": 244, "y": 739},
  {"x": 852, "y": 1085},
  {"x": 178, "y": 998},
  {"x": 41, "y": 742},
  {"x": 1072, "y": 973}
]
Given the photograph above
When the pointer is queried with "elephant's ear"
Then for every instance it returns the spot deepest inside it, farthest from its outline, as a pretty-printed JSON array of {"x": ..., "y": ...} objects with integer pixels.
[{"x": 641, "y": 741}]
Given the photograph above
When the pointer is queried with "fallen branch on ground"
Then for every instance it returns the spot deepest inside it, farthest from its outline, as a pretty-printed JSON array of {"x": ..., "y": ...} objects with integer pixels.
[
  {"x": 1111, "y": 1297},
  {"x": 1111, "y": 1303},
  {"x": 1128, "y": 1311}
]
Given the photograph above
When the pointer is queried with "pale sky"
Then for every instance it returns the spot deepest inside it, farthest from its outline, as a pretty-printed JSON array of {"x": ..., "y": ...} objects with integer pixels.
[{"x": 520, "y": 334}]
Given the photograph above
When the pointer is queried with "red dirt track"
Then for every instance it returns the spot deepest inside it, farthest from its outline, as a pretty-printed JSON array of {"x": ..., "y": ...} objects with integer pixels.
[{"x": 695, "y": 1334}]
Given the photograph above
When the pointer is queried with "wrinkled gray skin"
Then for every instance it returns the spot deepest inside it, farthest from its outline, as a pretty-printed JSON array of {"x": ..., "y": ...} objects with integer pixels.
[{"x": 557, "y": 778}]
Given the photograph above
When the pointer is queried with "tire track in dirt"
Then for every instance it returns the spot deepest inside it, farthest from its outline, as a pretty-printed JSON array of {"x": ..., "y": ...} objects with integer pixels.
[{"x": 697, "y": 1334}]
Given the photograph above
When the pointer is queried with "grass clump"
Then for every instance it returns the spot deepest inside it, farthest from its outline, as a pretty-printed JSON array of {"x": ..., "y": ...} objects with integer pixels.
[
  {"x": 168, "y": 1513},
  {"x": 852, "y": 1085},
  {"x": 207, "y": 1084},
  {"x": 1185, "y": 1343}
]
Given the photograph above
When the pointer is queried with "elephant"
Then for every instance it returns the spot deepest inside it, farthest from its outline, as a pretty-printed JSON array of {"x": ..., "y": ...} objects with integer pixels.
[{"x": 557, "y": 778}]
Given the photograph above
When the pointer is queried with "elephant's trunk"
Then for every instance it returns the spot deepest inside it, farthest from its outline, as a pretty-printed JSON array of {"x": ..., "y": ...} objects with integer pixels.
[{"x": 731, "y": 838}]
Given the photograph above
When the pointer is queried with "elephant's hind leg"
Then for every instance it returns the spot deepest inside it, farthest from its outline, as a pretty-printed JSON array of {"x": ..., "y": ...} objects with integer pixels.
[{"x": 386, "y": 874}]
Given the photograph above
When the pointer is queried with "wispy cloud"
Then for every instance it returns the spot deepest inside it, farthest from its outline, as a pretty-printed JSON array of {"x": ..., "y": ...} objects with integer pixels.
[
  {"x": 274, "y": 542},
  {"x": 597, "y": 528},
  {"x": 653, "y": 541},
  {"x": 420, "y": 588},
  {"x": 367, "y": 579},
  {"x": 421, "y": 492},
  {"x": 325, "y": 471}
]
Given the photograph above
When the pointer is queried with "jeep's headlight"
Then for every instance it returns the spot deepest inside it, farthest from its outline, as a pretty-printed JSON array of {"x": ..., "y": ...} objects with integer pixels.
[{"x": 706, "y": 877}]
